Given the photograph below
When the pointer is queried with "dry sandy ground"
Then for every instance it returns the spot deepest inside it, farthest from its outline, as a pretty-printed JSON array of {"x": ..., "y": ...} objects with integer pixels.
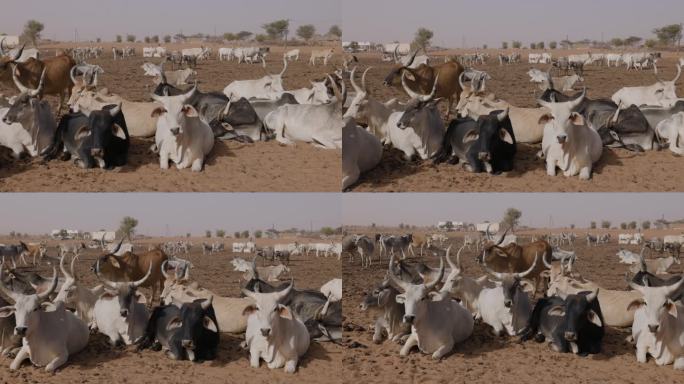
[
  {"x": 101, "y": 363},
  {"x": 484, "y": 358},
  {"x": 231, "y": 166},
  {"x": 617, "y": 170}
]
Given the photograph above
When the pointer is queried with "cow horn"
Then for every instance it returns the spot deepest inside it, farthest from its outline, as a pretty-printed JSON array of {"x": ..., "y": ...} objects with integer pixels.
[
  {"x": 283, "y": 294},
  {"x": 614, "y": 120},
  {"x": 118, "y": 246},
  {"x": 115, "y": 111},
  {"x": 397, "y": 281},
  {"x": 8, "y": 292},
  {"x": 353, "y": 83},
  {"x": 102, "y": 244},
  {"x": 439, "y": 277},
  {"x": 455, "y": 267},
  {"x": 163, "y": 269},
  {"x": 2, "y": 43},
  {"x": 336, "y": 90},
  {"x": 105, "y": 281},
  {"x": 487, "y": 233},
  {"x": 207, "y": 303},
  {"x": 498, "y": 275},
  {"x": 140, "y": 282},
  {"x": 41, "y": 84},
  {"x": 190, "y": 93},
  {"x": 503, "y": 115},
  {"x": 61, "y": 267},
  {"x": 534, "y": 265},
  {"x": 413, "y": 57},
  {"x": 503, "y": 237},
  {"x": 284, "y": 67},
  {"x": 591, "y": 296},
  {"x": 394, "y": 54},
  {"x": 460, "y": 80},
  {"x": 675, "y": 287},
  {"x": 22, "y": 88},
  {"x": 679, "y": 74},
  {"x": 72, "y": 73},
  {"x": 546, "y": 263},
  {"x": 578, "y": 100},
  {"x": 53, "y": 285},
  {"x": 18, "y": 54},
  {"x": 363, "y": 80},
  {"x": 642, "y": 261}
]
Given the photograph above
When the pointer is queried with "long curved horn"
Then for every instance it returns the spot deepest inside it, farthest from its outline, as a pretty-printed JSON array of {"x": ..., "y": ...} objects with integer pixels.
[
  {"x": 675, "y": 287},
  {"x": 460, "y": 80},
  {"x": 363, "y": 80},
  {"x": 413, "y": 57},
  {"x": 18, "y": 54},
  {"x": 439, "y": 277},
  {"x": 336, "y": 91},
  {"x": 72, "y": 73},
  {"x": 614, "y": 120},
  {"x": 118, "y": 246},
  {"x": 8, "y": 292},
  {"x": 590, "y": 297},
  {"x": 353, "y": 83},
  {"x": 394, "y": 54},
  {"x": 53, "y": 285},
  {"x": 140, "y": 282},
  {"x": 642, "y": 261},
  {"x": 61, "y": 267},
  {"x": 190, "y": 93},
  {"x": 503, "y": 115},
  {"x": 41, "y": 84},
  {"x": 397, "y": 281},
  {"x": 578, "y": 100},
  {"x": 105, "y": 281},
  {"x": 503, "y": 236},
  {"x": 115, "y": 111},
  {"x": 487, "y": 233},
  {"x": 546, "y": 263},
  {"x": 283, "y": 294},
  {"x": 679, "y": 74},
  {"x": 102, "y": 244},
  {"x": 206, "y": 303},
  {"x": 498, "y": 275},
  {"x": 73, "y": 261},
  {"x": 534, "y": 265},
  {"x": 22, "y": 87},
  {"x": 284, "y": 67},
  {"x": 455, "y": 267},
  {"x": 2, "y": 43},
  {"x": 163, "y": 269}
]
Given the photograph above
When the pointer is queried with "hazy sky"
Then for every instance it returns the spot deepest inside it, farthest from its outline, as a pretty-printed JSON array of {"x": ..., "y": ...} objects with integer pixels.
[
  {"x": 106, "y": 18},
  {"x": 181, "y": 212},
  {"x": 537, "y": 209},
  {"x": 493, "y": 21}
]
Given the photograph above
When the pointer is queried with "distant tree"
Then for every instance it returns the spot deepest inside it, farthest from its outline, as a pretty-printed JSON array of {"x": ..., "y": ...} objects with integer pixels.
[
  {"x": 553, "y": 45},
  {"x": 245, "y": 234},
  {"x": 220, "y": 233},
  {"x": 623, "y": 225},
  {"x": 242, "y": 35},
  {"x": 632, "y": 225},
  {"x": 422, "y": 38},
  {"x": 127, "y": 227},
  {"x": 336, "y": 31},
  {"x": 533, "y": 45},
  {"x": 401, "y": 225},
  {"x": 155, "y": 39},
  {"x": 277, "y": 29},
  {"x": 236, "y": 235},
  {"x": 646, "y": 225},
  {"x": 605, "y": 224},
  {"x": 229, "y": 36},
  {"x": 592, "y": 225},
  {"x": 207, "y": 234},
  {"x": 485, "y": 46},
  {"x": 669, "y": 34},
  {"x": 540, "y": 45},
  {"x": 258, "y": 234},
  {"x": 327, "y": 231},
  {"x": 146, "y": 39},
  {"x": 13, "y": 234},
  {"x": 617, "y": 42},
  {"x": 98, "y": 40},
  {"x": 651, "y": 43},
  {"x": 373, "y": 225},
  {"x": 566, "y": 44},
  {"x": 516, "y": 44},
  {"x": 32, "y": 31},
  {"x": 504, "y": 45},
  {"x": 130, "y": 38},
  {"x": 260, "y": 38},
  {"x": 187, "y": 235},
  {"x": 306, "y": 31},
  {"x": 119, "y": 38},
  {"x": 167, "y": 39},
  {"x": 572, "y": 226},
  {"x": 633, "y": 40},
  {"x": 511, "y": 218}
]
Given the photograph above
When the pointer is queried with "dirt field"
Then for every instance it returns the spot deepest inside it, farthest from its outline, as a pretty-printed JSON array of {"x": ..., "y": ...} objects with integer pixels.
[
  {"x": 231, "y": 166},
  {"x": 99, "y": 362},
  {"x": 484, "y": 358},
  {"x": 617, "y": 170}
]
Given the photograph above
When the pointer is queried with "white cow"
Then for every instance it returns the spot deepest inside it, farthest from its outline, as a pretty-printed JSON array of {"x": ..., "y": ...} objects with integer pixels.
[
  {"x": 662, "y": 93},
  {"x": 77, "y": 296},
  {"x": 317, "y": 94},
  {"x": 362, "y": 152},
  {"x": 292, "y": 54},
  {"x": 238, "y": 247},
  {"x": 274, "y": 333},
  {"x": 569, "y": 143},
  {"x": 225, "y": 54},
  {"x": 672, "y": 130},
  {"x": 261, "y": 88},
  {"x": 181, "y": 136},
  {"x": 324, "y": 54}
]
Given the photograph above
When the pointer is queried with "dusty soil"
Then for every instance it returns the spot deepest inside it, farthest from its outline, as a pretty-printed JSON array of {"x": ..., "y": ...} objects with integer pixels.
[
  {"x": 484, "y": 358},
  {"x": 100, "y": 362},
  {"x": 617, "y": 170},
  {"x": 231, "y": 166}
]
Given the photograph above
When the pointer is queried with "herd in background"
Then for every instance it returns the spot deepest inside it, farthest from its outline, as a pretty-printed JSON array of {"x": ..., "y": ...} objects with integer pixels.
[
  {"x": 278, "y": 321},
  {"x": 97, "y": 130},
  {"x": 435, "y": 309},
  {"x": 572, "y": 129}
]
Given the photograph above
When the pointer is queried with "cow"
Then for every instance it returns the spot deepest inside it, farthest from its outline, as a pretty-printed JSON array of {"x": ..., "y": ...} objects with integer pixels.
[
  {"x": 506, "y": 307},
  {"x": 333, "y": 291},
  {"x": 263, "y": 107},
  {"x": 487, "y": 144},
  {"x": 574, "y": 324},
  {"x": 99, "y": 139},
  {"x": 28, "y": 124},
  {"x": 464, "y": 288},
  {"x": 120, "y": 312},
  {"x": 179, "y": 77},
  {"x": 658, "y": 324},
  {"x": 438, "y": 323},
  {"x": 390, "y": 321},
  {"x": 325, "y": 54},
  {"x": 132, "y": 267},
  {"x": 181, "y": 137},
  {"x": 672, "y": 131},
  {"x": 50, "y": 333},
  {"x": 365, "y": 247},
  {"x": 390, "y": 244},
  {"x": 318, "y": 124},
  {"x": 190, "y": 331},
  {"x": 292, "y": 54},
  {"x": 424, "y": 78},
  {"x": 569, "y": 143},
  {"x": 259, "y": 88},
  {"x": 57, "y": 69},
  {"x": 273, "y": 333},
  {"x": 662, "y": 93},
  {"x": 363, "y": 152},
  {"x": 75, "y": 295}
]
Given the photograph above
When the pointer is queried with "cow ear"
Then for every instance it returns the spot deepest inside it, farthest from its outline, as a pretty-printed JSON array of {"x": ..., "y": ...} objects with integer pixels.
[
  {"x": 107, "y": 294},
  {"x": 527, "y": 286},
  {"x": 576, "y": 119},
  {"x": 545, "y": 274},
  {"x": 545, "y": 119},
  {"x": 140, "y": 298},
  {"x": 410, "y": 76},
  {"x": 114, "y": 262},
  {"x": 209, "y": 324},
  {"x": 436, "y": 296},
  {"x": 557, "y": 310},
  {"x": 400, "y": 299},
  {"x": 470, "y": 136},
  {"x": 594, "y": 318},
  {"x": 82, "y": 133},
  {"x": 7, "y": 311},
  {"x": 158, "y": 111},
  {"x": 249, "y": 310},
  {"x": 190, "y": 111},
  {"x": 175, "y": 323},
  {"x": 118, "y": 131},
  {"x": 284, "y": 312},
  {"x": 383, "y": 297},
  {"x": 505, "y": 136},
  {"x": 635, "y": 304},
  {"x": 671, "y": 309}
]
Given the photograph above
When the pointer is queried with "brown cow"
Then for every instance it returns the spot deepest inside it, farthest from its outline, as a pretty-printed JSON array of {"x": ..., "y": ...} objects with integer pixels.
[
  {"x": 35, "y": 251},
  {"x": 132, "y": 267},
  {"x": 514, "y": 258},
  {"x": 422, "y": 78},
  {"x": 57, "y": 76}
]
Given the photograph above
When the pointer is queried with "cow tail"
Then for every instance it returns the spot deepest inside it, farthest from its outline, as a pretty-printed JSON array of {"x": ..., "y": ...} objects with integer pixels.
[
  {"x": 533, "y": 323},
  {"x": 150, "y": 331},
  {"x": 443, "y": 154},
  {"x": 57, "y": 143}
]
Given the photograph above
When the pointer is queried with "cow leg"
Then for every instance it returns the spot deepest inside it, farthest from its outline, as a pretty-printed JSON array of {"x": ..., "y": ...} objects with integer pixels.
[
  {"x": 411, "y": 342},
  {"x": 57, "y": 361},
  {"x": 291, "y": 366},
  {"x": 22, "y": 355},
  {"x": 443, "y": 350},
  {"x": 679, "y": 363},
  {"x": 377, "y": 333}
]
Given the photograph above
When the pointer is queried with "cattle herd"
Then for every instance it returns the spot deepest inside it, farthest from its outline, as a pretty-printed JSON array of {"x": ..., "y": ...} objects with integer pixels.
[{"x": 427, "y": 294}]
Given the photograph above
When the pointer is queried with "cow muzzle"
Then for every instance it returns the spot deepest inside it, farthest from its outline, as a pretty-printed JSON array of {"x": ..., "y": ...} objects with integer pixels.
[
  {"x": 20, "y": 331},
  {"x": 175, "y": 131},
  {"x": 123, "y": 312},
  {"x": 96, "y": 152},
  {"x": 6, "y": 120},
  {"x": 508, "y": 303},
  {"x": 188, "y": 344},
  {"x": 562, "y": 139},
  {"x": 653, "y": 328},
  {"x": 570, "y": 336},
  {"x": 484, "y": 156},
  {"x": 265, "y": 332},
  {"x": 409, "y": 319}
]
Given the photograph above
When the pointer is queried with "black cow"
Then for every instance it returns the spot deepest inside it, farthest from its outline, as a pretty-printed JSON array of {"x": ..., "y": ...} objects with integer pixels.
[
  {"x": 487, "y": 144},
  {"x": 98, "y": 139},
  {"x": 572, "y": 325},
  {"x": 190, "y": 332}
]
